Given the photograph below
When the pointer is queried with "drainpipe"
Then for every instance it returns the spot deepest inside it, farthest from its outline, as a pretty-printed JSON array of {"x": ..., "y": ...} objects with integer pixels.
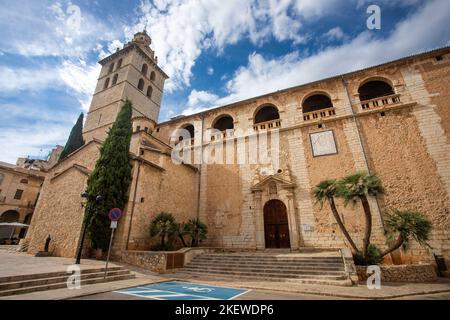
[
  {"x": 199, "y": 184},
  {"x": 358, "y": 127},
  {"x": 134, "y": 203}
]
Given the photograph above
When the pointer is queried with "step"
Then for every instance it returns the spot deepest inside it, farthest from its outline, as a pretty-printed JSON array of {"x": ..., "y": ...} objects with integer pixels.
[
  {"x": 341, "y": 276},
  {"x": 267, "y": 266},
  {"x": 271, "y": 263},
  {"x": 284, "y": 274},
  {"x": 265, "y": 270},
  {"x": 191, "y": 275},
  {"x": 279, "y": 259},
  {"x": 271, "y": 257},
  {"x": 99, "y": 279},
  {"x": 57, "y": 279},
  {"x": 53, "y": 274}
]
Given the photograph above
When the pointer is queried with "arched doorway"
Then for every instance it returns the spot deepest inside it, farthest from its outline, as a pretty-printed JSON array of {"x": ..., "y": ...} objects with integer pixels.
[
  {"x": 7, "y": 232},
  {"x": 276, "y": 225}
]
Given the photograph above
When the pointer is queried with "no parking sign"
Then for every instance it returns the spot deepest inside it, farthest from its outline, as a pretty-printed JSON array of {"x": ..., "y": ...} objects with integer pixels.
[{"x": 114, "y": 215}]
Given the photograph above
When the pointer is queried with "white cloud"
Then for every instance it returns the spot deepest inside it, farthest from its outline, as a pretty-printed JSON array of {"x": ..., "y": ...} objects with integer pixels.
[
  {"x": 263, "y": 76},
  {"x": 210, "y": 71},
  {"x": 48, "y": 28},
  {"x": 315, "y": 8},
  {"x": 76, "y": 76},
  {"x": 198, "y": 98},
  {"x": 181, "y": 30},
  {"x": 34, "y": 140},
  {"x": 81, "y": 78},
  {"x": 335, "y": 34},
  {"x": 21, "y": 79}
]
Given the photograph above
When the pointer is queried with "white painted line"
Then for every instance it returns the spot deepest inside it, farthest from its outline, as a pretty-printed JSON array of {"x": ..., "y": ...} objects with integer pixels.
[{"x": 240, "y": 294}]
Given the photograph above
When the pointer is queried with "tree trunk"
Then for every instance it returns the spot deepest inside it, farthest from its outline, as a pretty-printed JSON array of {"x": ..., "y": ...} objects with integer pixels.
[
  {"x": 162, "y": 240},
  {"x": 341, "y": 225},
  {"x": 368, "y": 228},
  {"x": 398, "y": 243},
  {"x": 182, "y": 240}
]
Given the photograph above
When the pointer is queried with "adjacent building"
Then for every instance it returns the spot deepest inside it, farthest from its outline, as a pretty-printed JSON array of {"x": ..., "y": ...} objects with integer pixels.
[{"x": 20, "y": 186}]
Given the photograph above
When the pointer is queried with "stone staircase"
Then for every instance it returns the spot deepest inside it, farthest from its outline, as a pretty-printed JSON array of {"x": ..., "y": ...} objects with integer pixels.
[
  {"x": 21, "y": 284},
  {"x": 307, "y": 268}
]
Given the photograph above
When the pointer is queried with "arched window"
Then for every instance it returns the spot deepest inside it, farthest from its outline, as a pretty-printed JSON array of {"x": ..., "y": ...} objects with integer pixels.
[
  {"x": 375, "y": 89},
  {"x": 149, "y": 91},
  {"x": 111, "y": 67},
  {"x": 141, "y": 84},
  {"x": 119, "y": 64},
  {"x": 316, "y": 102},
  {"x": 153, "y": 76},
  {"x": 10, "y": 216},
  {"x": 114, "y": 81},
  {"x": 190, "y": 129},
  {"x": 144, "y": 69},
  {"x": 267, "y": 113},
  {"x": 106, "y": 85},
  {"x": 224, "y": 123}
]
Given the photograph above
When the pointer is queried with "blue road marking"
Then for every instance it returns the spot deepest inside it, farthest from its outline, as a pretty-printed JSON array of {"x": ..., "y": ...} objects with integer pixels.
[{"x": 177, "y": 290}]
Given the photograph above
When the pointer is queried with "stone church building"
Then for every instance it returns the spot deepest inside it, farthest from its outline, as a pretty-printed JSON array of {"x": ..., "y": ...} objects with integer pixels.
[{"x": 392, "y": 119}]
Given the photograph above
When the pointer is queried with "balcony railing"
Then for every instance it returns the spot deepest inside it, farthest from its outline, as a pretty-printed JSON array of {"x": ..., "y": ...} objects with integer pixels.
[
  {"x": 185, "y": 142},
  {"x": 323, "y": 113},
  {"x": 380, "y": 102},
  {"x": 268, "y": 125},
  {"x": 222, "y": 135}
]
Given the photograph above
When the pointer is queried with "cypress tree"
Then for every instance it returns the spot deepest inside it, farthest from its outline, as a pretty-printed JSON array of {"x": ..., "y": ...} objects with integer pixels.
[
  {"x": 75, "y": 140},
  {"x": 110, "y": 179}
]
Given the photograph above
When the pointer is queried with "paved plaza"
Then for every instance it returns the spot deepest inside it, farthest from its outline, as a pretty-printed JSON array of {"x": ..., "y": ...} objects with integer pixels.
[{"x": 13, "y": 264}]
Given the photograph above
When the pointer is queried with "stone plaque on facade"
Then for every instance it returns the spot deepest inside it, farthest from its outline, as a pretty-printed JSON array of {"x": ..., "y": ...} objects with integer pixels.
[{"x": 323, "y": 143}]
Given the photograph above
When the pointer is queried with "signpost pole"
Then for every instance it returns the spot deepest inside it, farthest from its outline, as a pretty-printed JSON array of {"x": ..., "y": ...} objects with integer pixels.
[
  {"x": 114, "y": 216},
  {"x": 109, "y": 251}
]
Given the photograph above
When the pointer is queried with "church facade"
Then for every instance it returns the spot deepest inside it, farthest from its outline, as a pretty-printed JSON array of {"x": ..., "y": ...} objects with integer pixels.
[{"x": 392, "y": 120}]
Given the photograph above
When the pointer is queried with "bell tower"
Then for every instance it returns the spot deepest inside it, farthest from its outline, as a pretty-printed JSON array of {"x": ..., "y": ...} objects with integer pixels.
[{"x": 131, "y": 72}]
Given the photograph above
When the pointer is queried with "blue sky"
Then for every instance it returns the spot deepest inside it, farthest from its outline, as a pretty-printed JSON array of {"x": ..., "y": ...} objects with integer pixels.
[{"x": 214, "y": 51}]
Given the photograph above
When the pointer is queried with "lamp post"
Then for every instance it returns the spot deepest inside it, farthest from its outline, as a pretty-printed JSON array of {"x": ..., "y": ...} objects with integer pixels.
[{"x": 85, "y": 195}]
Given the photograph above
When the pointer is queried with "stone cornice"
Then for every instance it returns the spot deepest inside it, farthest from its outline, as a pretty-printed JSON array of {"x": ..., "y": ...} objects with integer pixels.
[
  {"x": 78, "y": 167},
  {"x": 128, "y": 48}
]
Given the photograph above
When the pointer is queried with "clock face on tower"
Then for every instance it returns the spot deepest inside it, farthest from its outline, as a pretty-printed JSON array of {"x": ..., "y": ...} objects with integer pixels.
[{"x": 323, "y": 143}]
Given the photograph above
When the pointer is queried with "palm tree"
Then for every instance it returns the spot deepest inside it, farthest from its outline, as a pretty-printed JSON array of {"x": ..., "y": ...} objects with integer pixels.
[
  {"x": 164, "y": 226},
  {"x": 326, "y": 190},
  {"x": 360, "y": 186},
  {"x": 181, "y": 232},
  {"x": 406, "y": 225},
  {"x": 197, "y": 230}
]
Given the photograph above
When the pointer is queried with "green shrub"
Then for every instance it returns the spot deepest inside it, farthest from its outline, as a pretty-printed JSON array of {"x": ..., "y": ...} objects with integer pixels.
[
  {"x": 373, "y": 257},
  {"x": 164, "y": 227}
]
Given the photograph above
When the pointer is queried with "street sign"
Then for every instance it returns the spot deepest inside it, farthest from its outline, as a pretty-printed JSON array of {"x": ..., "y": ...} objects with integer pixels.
[
  {"x": 115, "y": 214},
  {"x": 113, "y": 224}
]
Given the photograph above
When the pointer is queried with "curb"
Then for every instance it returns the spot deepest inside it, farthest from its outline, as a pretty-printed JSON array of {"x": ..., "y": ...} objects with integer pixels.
[{"x": 326, "y": 294}]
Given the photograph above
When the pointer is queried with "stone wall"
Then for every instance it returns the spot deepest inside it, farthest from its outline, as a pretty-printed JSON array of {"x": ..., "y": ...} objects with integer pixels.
[
  {"x": 405, "y": 144},
  {"x": 148, "y": 260},
  {"x": 402, "y": 273},
  {"x": 167, "y": 188},
  {"x": 58, "y": 212}
]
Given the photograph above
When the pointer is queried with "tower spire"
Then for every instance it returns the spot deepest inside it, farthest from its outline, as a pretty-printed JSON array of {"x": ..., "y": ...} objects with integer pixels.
[{"x": 145, "y": 26}]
